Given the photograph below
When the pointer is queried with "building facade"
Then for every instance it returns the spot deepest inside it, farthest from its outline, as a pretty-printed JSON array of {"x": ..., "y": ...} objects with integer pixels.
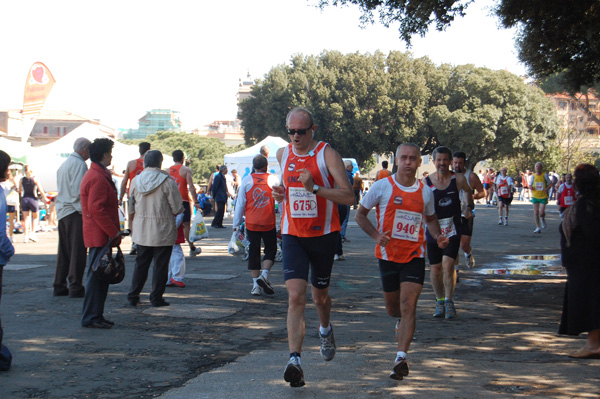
[
  {"x": 578, "y": 113},
  {"x": 155, "y": 120},
  {"x": 49, "y": 126}
]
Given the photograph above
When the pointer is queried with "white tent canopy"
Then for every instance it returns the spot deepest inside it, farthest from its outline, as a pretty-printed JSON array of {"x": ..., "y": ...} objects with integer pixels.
[
  {"x": 16, "y": 149},
  {"x": 242, "y": 160},
  {"x": 45, "y": 160}
]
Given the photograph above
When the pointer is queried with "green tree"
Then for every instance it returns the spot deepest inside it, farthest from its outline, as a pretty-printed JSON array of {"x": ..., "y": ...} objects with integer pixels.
[
  {"x": 488, "y": 114},
  {"x": 365, "y": 104},
  {"x": 553, "y": 36},
  {"x": 203, "y": 153},
  {"x": 362, "y": 103}
]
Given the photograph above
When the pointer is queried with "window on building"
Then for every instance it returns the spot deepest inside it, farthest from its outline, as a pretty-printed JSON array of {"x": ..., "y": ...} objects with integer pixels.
[
  {"x": 45, "y": 129},
  {"x": 562, "y": 104}
]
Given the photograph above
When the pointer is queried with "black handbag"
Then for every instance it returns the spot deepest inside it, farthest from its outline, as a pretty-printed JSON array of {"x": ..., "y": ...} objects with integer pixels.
[{"x": 108, "y": 269}]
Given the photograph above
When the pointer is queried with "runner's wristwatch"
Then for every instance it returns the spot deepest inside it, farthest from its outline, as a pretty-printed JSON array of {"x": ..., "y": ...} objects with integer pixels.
[{"x": 315, "y": 188}]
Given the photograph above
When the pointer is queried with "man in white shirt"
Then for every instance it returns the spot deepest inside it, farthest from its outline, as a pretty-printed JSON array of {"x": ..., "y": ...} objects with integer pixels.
[
  {"x": 504, "y": 185},
  {"x": 71, "y": 257}
]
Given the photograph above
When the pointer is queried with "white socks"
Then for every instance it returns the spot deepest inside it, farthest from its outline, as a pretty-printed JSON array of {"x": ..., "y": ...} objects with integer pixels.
[
  {"x": 325, "y": 331},
  {"x": 400, "y": 355}
]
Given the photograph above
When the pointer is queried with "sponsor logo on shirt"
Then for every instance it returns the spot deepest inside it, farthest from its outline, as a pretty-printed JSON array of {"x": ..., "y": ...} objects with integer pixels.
[{"x": 397, "y": 200}]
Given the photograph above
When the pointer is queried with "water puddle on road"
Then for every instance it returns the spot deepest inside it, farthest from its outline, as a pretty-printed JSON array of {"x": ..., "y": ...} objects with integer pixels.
[{"x": 529, "y": 265}]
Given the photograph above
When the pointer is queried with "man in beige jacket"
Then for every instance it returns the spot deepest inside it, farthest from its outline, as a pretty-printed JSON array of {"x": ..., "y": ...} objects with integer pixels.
[{"x": 154, "y": 199}]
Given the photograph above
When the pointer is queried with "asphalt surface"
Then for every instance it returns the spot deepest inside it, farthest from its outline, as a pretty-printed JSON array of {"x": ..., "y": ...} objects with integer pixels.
[{"x": 216, "y": 341}]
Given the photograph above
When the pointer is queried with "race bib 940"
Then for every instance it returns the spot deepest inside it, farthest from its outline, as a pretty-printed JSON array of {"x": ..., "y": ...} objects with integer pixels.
[{"x": 407, "y": 225}]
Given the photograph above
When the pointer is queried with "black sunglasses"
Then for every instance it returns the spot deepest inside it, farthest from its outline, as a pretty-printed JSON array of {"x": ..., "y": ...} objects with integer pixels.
[{"x": 301, "y": 132}]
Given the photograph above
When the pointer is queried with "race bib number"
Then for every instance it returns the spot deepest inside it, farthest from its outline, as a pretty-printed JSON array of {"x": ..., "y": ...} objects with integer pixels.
[
  {"x": 447, "y": 227},
  {"x": 303, "y": 204},
  {"x": 407, "y": 225},
  {"x": 568, "y": 200},
  {"x": 503, "y": 190},
  {"x": 539, "y": 186}
]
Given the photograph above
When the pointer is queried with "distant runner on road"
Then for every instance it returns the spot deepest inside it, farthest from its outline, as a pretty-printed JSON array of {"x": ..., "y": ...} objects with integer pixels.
[{"x": 539, "y": 184}]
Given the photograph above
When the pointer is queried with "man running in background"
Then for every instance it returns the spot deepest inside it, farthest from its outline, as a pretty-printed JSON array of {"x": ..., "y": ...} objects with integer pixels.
[
  {"x": 505, "y": 186},
  {"x": 134, "y": 168},
  {"x": 446, "y": 186},
  {"x": 383, "y": 173},
  {"x": 459, "y": 165},
  {"x": 566, "y": 194},
  {"x": 539, "y": 183},
  {"x": 185, "y": 183},
  {"x": 402, "y": 202}
]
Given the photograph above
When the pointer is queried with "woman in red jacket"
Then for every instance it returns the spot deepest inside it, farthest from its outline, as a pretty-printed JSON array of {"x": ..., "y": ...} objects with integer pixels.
[{"x": 99, "y": 207}]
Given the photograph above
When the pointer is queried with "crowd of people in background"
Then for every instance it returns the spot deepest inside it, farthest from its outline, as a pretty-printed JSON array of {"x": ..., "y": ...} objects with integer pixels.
[{"x": 431, "y": 216}]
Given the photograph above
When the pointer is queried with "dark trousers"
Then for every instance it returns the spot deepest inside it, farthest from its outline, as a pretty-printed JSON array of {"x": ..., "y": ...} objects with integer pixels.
[
  {"x": 270, "y": 240},
  {"x": 219, "y": 213},
  {"x": 356, "y": 198},
  {"x": 70, "y": 261},
  {"x": 160, "y": 272},
  {"x": 96, "y": 292}
]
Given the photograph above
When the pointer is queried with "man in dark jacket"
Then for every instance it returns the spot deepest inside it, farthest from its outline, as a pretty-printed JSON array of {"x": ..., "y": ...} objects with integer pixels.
[
  {"x": 220, "y": 193},
  {"x": 100, "y": 211}
]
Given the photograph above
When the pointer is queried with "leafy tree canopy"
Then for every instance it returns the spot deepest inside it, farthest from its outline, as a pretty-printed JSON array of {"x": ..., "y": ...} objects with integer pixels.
[
  {"x": 553, "y": 35},
  {"x": 371, "y": 103},
  {"x": 203, "y": 153}
]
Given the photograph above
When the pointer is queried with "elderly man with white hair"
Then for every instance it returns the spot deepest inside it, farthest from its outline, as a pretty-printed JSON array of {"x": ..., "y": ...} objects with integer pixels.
[
  {"x": 71, "y": 257},
  {"x": 154, "y": 199}
]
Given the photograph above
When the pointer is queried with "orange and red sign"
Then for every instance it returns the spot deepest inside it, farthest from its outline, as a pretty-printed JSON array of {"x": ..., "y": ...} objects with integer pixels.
[{"x": 37, "y": 87}]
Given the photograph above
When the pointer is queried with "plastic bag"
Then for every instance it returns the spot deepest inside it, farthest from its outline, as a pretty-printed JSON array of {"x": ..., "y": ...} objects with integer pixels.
[
  {"x": 122, "y": 218},
  {"x": 238, "y": 243},
  {"x": 198, "y": 230}
]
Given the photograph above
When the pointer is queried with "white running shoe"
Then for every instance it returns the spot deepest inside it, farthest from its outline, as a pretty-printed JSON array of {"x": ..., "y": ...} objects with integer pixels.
[
  {"x": 265, "y": 284},
  {"x": 195, "y": 251},
  {"x": 327, "y": 345},
  {"x": 293, "y": 373},
  {"x": 256, "y": 291},
  {"x": 543, "y": 223},
  {"x": 537, "y": 230},
  {"x": 470, "y": 261}
]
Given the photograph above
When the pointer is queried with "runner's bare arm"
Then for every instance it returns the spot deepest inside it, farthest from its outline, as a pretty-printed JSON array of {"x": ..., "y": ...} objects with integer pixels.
[
  {"x": 279, "y": 191},
  {"x": 125, "y": 180},
  {"x": 365, "y": 224},
  {"x": 462, "y": 184},
  {"x": 342, "y": 194},
  {"x": 190, "y": 183},
  {"x": 477, "y": 186}
]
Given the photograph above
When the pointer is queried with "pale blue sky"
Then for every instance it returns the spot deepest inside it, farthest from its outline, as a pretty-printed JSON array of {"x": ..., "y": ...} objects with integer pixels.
[{"x": 114, "y": 60}]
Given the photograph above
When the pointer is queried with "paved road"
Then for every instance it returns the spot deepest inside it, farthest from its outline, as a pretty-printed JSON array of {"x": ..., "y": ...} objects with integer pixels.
[{"x": 216, "y": 341}]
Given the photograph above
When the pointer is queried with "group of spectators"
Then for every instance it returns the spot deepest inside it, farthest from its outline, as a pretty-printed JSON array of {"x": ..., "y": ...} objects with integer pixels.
[{"x": 414, "y": 218}]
